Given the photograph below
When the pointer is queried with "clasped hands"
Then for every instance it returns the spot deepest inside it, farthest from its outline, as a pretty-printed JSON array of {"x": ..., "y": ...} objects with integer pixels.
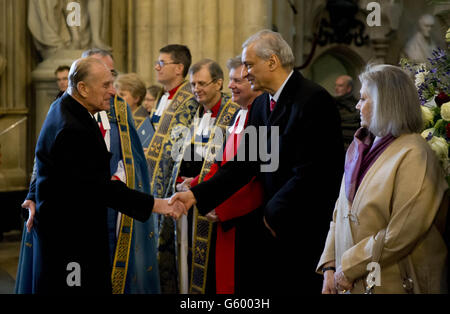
[
  {"x": 187, "y": 197},
  {"x": 174, "y": 210},
  {"x": 335, "y": 281},
  {"x": 184, "y": 187}
]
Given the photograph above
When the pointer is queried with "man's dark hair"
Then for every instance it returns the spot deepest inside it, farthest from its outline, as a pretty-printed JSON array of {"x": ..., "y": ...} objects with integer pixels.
[
  {"x": 62, "y": 68},
  {"x": 180, "y": 54}
]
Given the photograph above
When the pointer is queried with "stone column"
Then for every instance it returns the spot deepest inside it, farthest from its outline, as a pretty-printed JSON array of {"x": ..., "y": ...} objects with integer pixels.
[
  {"x": 16, "y": 144},
  {"x": 175, "y": 20},
  {"x": 212, "y": 29},
  {"x": 191, "y": 30},
  {"x": 159, "y": 18},
  {"x": 299, "y": 22},
  {"x": 284, "y": 20},
  {"x": 227, "y": 20},
  {"x": 379, "y": 41},
  {"x": 44, "y": 83},
  {"x": 380, "y": 47},
  {"x": 143, "y": 42},
  {"x": 119, "y": 34},
  {"x": 255, "y": 15}
]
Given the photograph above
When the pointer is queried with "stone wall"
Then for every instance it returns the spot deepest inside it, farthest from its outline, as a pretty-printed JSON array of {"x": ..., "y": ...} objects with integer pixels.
[
  {"x": 212, "y": 29},
  {"x": 16, "y": 110}
]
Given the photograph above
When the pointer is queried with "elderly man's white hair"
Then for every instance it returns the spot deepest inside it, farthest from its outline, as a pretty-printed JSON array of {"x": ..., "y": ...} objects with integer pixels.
[
  {"x": 267, "y": 43},
  {"x": 81, "y": 69}
]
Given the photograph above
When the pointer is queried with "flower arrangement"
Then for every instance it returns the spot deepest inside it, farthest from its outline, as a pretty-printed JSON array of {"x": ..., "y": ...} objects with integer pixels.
[{"x": 432, "y": 80}]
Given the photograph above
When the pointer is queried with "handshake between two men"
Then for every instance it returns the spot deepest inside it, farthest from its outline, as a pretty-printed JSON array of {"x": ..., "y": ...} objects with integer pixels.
[
  {"x": 179, "y": 203},
  {"x": 176, "y": 206},
  {"x": 173, "y": 209},
  {"x": 185, "y": 197},
  {"x": 161, "y": 206}
]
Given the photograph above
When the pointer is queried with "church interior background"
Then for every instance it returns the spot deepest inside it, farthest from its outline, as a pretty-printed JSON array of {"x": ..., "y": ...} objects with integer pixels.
[{"x": 329, "y": 38}]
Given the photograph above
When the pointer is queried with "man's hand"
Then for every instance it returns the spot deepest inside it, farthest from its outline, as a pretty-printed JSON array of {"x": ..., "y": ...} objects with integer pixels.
[
  {"x": 341, "y": 282},
  {"x": 187, "y": 198},
  {"x": 175, "y": 210},
  {"x": 270, "y": 229},
  {"x": 185, "y": 185},
  {"x": 212, "y": 216},
  {"x": 31, "y": 206}
]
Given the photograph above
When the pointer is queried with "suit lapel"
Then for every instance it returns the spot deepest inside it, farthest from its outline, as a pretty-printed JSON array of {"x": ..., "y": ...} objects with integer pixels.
[
  {"x": 266, "y": 109},
  {"x": 95, "y": 129},
  {"x": 278, "y": 112},
  {"x": 286, "y": 98},
  {"x": 98, "y": 133}
]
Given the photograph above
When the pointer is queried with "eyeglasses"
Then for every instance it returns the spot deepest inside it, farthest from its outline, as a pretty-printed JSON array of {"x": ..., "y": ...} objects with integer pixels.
[
  {"x": 163, "y": 63},
  {"x": 201, "y": 84}
]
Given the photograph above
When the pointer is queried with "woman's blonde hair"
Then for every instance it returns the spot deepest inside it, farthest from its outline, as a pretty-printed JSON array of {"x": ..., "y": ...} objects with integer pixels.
[
  {"x": 133, "y": 83},
  {"x": 396, "y": 106}
]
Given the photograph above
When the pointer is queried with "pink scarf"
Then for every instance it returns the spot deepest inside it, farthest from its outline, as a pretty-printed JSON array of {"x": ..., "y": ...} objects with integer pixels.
[{"x": 361, "y": 155}]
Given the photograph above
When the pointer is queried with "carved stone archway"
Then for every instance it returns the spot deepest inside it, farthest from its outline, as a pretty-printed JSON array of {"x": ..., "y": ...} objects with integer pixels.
[{"x": 334, "y": 61}]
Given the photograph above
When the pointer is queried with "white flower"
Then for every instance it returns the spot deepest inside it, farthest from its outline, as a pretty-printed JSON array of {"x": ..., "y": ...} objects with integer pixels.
[
  {"x": 420, "y": 78},
  {"x": 445, "y": 111},
  {"x": 440, "y": 147},
  {"x": 427, "y": 115}
]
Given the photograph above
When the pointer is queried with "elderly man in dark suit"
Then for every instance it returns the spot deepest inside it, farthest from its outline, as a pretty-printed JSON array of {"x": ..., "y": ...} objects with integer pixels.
[
  {"x": 74, "y": 189},
  {"x": 300, "y": 193}
]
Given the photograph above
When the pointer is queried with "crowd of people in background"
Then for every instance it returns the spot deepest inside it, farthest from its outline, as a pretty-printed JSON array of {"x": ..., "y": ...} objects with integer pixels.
[{"x": 204, "y": 222}]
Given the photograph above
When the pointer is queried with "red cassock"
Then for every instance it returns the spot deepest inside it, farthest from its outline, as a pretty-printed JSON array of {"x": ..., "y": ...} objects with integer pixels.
[{"x": 244, "y": 201}]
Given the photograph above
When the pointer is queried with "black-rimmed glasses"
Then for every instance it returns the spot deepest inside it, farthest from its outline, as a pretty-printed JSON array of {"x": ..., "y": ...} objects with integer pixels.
[{"x": 163, "y": 63}]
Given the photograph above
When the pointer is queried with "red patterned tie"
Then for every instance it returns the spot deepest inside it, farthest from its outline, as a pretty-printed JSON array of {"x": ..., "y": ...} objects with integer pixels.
[{"x": 273, "y": 103}]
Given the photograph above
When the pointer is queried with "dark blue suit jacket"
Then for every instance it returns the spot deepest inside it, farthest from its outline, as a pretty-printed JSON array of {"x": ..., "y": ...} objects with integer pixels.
[
  {"x": 300, "y": 194},
  {"x": 73, "y": 191}
]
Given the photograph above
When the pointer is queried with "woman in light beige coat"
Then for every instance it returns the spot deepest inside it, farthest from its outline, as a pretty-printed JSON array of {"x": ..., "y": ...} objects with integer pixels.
[{"x": 389, "y": 217}]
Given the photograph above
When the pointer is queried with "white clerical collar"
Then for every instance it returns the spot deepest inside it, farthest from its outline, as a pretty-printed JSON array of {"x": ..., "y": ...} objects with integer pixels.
[
  {"x": 104, "y": 119},
  {"x": 163, "y": 104},
  {"x": 242, "y": 116},
  {"x": 278, "y": 93},
  {"x": 205, "y": 124},
  {"x": 106, "y": 126}
]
